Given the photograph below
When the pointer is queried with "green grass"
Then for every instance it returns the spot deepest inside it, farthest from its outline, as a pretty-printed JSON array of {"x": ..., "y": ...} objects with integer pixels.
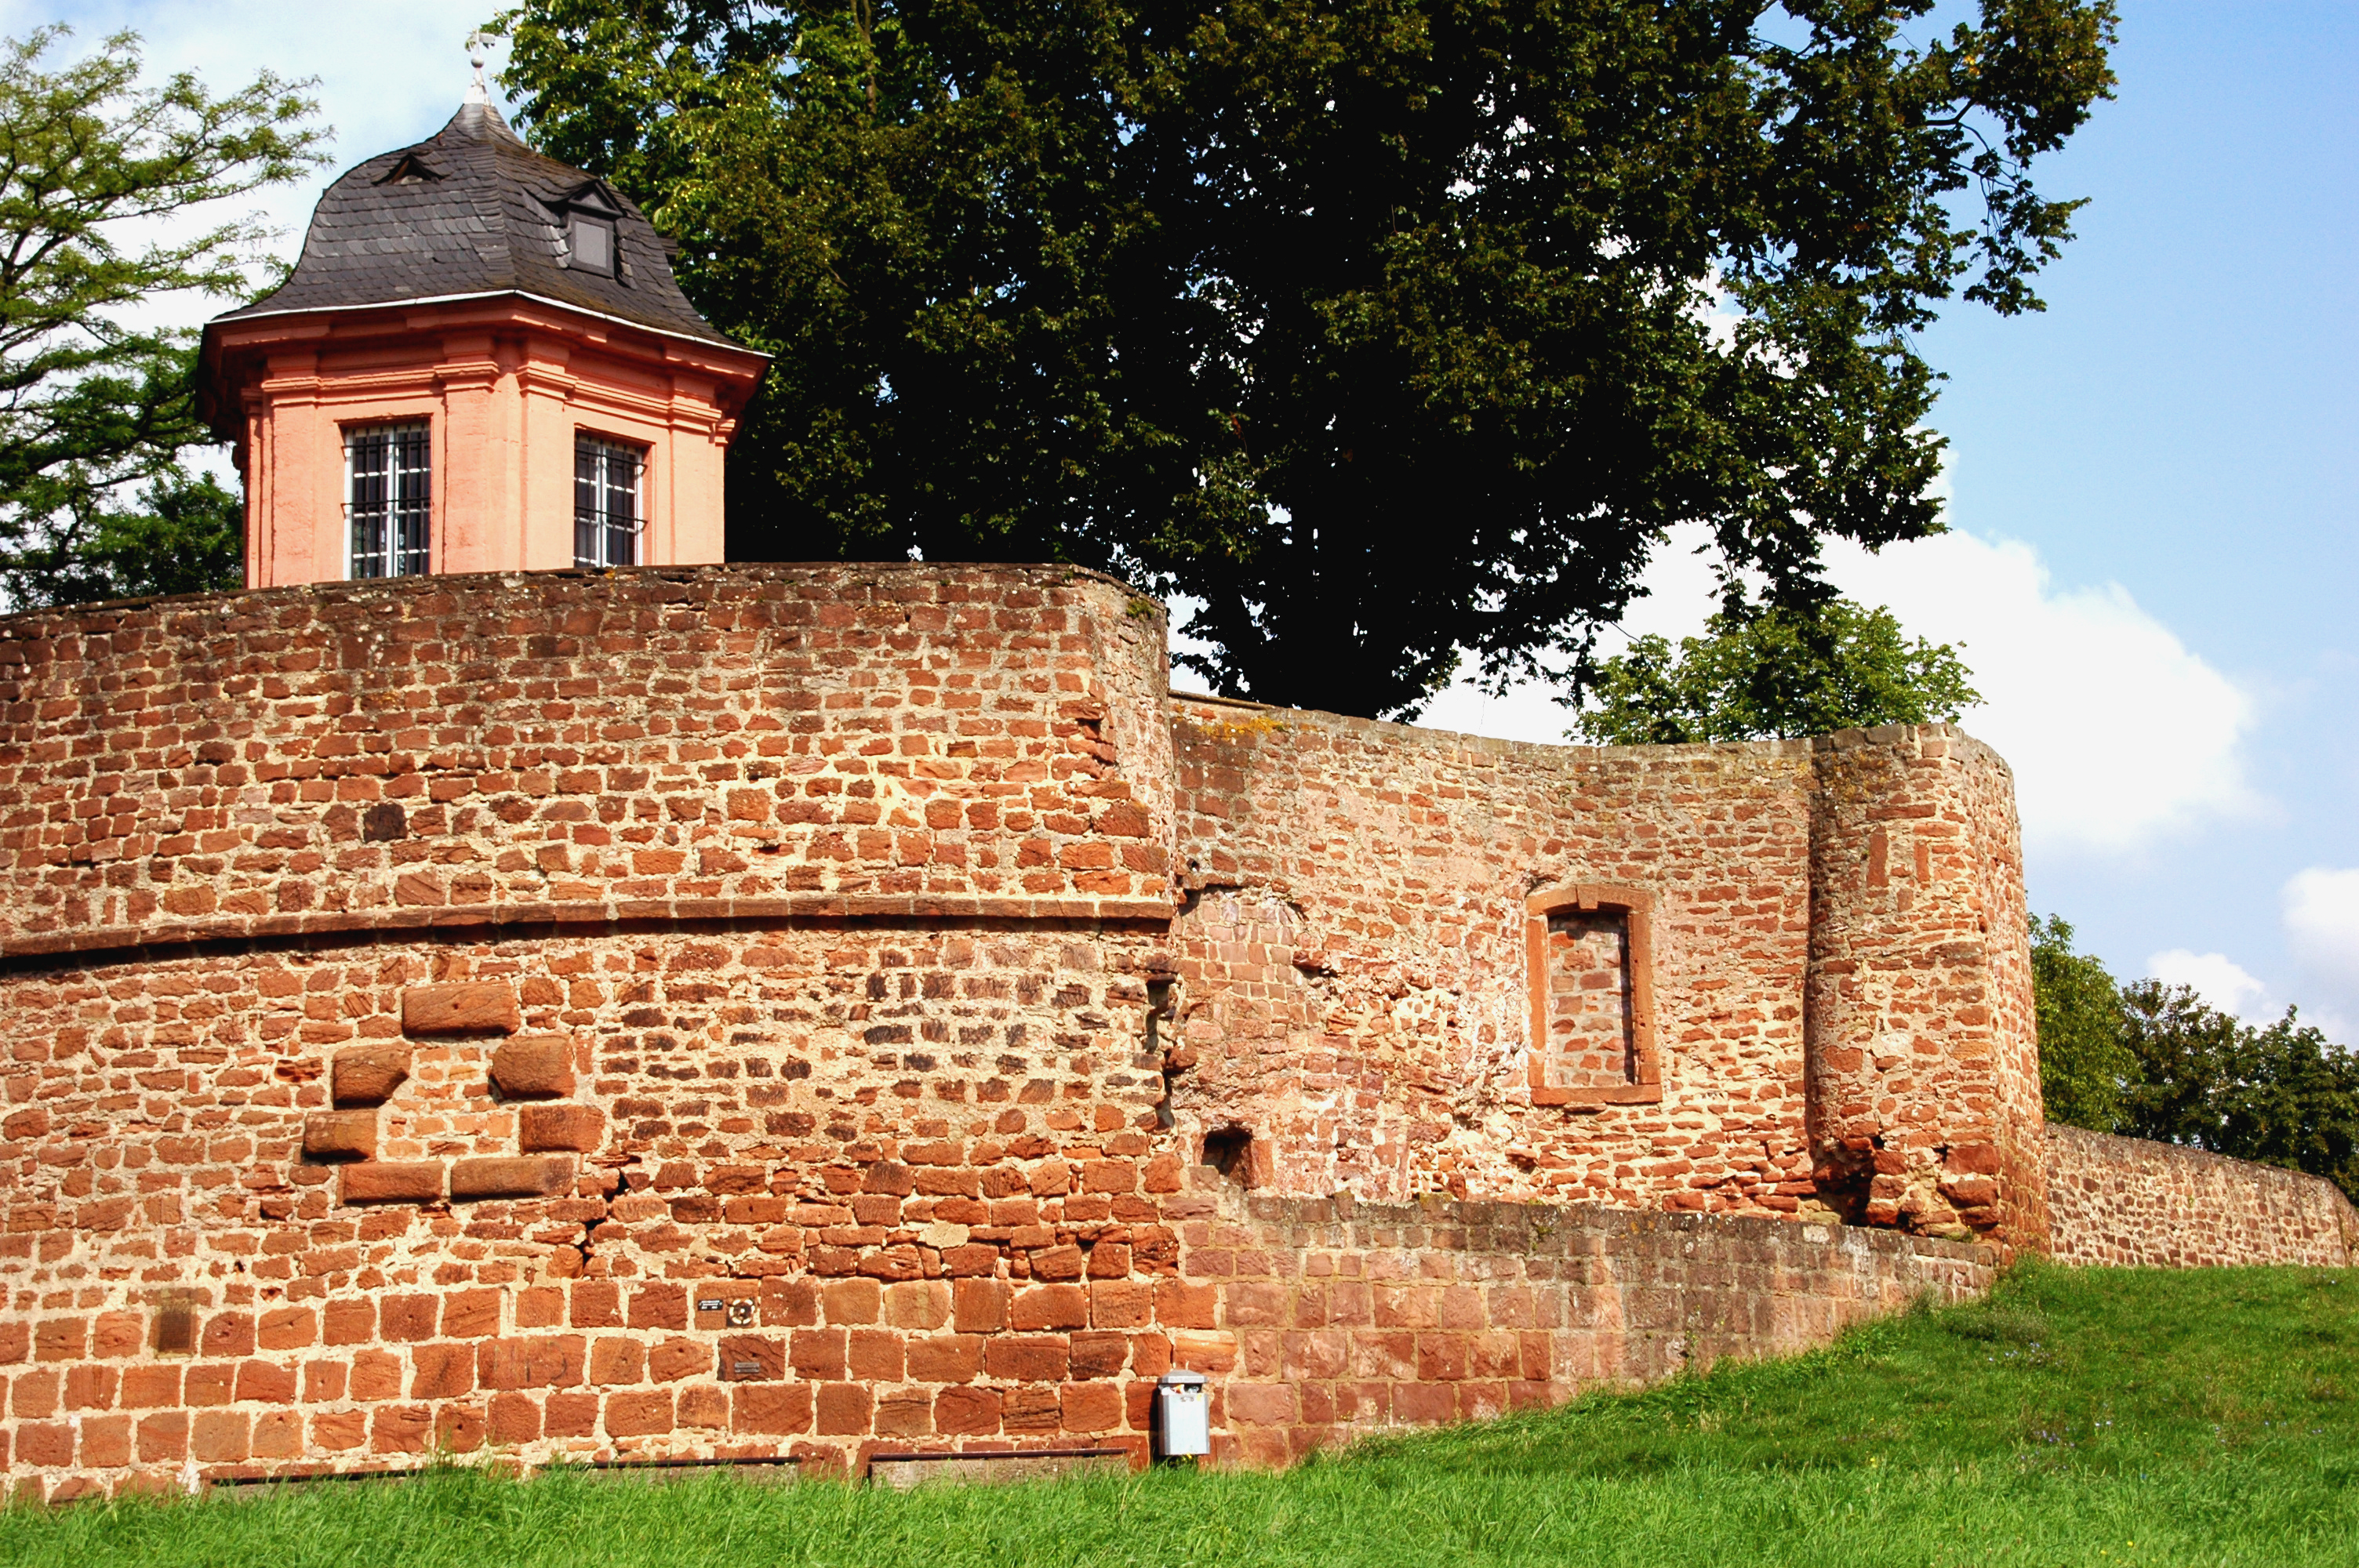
[{"x": 2080, "y": 1417}]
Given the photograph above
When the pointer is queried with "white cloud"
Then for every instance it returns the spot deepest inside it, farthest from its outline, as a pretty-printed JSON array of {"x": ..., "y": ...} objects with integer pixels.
[
  {"x": 2217, "y": 978},
  {"x": 2118, "y": 733},
  {"x": 2320, "y": 908}
]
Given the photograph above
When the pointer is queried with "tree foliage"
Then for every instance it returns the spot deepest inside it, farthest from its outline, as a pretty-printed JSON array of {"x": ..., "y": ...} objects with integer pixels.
[
  {"x": 100, "y": 180},
  {"x": 2148, "y": 1060},
  {"x": 1776, "y": 672},
  {"x": 2083, "y": 1061},
  {"x": 1382, "y": 329},
  {"x": 2282, "y": 1095}
]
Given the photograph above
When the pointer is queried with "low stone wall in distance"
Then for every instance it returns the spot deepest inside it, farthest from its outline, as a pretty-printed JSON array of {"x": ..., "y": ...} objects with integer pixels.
[
  {"x": 2134, "y": 1203},
  {"x": 1323, "y": 1320}
]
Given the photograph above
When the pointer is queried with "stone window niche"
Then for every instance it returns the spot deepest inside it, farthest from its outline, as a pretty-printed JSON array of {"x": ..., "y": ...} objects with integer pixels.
[{"x": 1589, "y": 954}]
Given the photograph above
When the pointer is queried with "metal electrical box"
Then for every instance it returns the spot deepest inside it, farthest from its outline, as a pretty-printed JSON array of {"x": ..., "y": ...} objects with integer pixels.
[{"x": 1183, "y": 1409}]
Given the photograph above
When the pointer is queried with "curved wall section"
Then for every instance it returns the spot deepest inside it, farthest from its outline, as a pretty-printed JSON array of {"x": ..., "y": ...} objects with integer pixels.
[{"x": 741, "y": 741}]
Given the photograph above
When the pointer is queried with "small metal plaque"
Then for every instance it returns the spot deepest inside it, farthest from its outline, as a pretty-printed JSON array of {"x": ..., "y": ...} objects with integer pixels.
[
  {"x": 708, "y": 1303},
  {"x": 740, "y": 1314},
  {"x": 745, "y": 1369}
]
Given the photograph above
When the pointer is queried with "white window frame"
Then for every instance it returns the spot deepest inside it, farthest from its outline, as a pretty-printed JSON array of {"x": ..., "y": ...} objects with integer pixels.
[
  {"x": 595, "y": 532},
  {"x": 402, "y": 502}
]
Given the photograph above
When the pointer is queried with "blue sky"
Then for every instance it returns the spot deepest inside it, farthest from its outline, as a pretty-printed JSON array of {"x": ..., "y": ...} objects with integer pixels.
[{"x": 2154, "y": 485}]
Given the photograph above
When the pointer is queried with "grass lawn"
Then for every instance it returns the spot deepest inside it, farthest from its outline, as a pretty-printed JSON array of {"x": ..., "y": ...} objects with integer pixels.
[{"x": 2080, "y": 1417}]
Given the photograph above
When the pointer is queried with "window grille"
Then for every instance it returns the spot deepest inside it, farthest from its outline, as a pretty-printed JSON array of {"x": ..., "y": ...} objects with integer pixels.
[
  {"x": 606, "y": 512},
  {"x": 388, "y": 491}
]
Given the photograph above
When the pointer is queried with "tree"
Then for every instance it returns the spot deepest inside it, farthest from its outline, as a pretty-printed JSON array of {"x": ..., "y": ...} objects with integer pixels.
[
  {"x": 2083, "y": 1061},
  {"x": 1382, "y": 329},
  {"x": 1776, "y": 672},
  {"x": 2281, "y": 1096},
  {"x": 100, "y": 178}
]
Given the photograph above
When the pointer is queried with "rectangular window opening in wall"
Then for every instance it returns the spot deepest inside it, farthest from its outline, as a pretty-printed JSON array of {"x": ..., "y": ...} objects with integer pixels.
[
  {"x": 608, "y": 516},
  {"x": 1590, "y": 957},
  {"x": 389, "y": 500}
]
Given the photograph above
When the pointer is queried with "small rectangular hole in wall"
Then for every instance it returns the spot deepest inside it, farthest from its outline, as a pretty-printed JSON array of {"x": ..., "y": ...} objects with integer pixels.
[
  {"x": 176, "y": 1329},
  {"x": 1591, "y": 1044}
]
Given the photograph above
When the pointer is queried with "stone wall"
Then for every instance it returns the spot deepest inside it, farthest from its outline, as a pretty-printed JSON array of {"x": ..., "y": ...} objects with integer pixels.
[
  {"x": 1331, "y": 1319},
  {"x": 783, "y": 1008},
  {"x": 2128, "y": 1202},
  {"x": 1836, "y": 925},
  {"x": 564, "y": 746}
]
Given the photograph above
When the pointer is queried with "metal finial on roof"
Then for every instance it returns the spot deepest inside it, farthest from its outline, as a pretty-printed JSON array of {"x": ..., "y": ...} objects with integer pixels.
[{"x": 479, "y": 46}]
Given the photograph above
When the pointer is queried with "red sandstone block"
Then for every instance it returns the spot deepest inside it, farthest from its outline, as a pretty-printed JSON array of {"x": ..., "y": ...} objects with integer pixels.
[
  {"x": 779, "y": 1409},
  {"x": 597, "y": 1303},
  {"x": 90, "y": 1386},
  {"x": 1424, "y": 1404},
  {"x": 789, "y": 1304},
  {"x": 340, "y": 1135},
  {"x": 368, "y": 1075},
  {"x": 945, "y": 1358},
  {"x": 278, "y": 1434},
  {"x": 265, "y": 1382},
  {"x": 118, "y": 1333},
  {"x": 458, "y": 1428},
  {"x": 966, "y": 1412},
  {"x": 471, "y": 1315},
  {"x": 105, "y": 1441},
  {"x": 1058, "y": 1263},
  {"x": 580, "y": 1127},
  {"x": 1181, "y": 1305},
  {"x": 854, "y": 1301},
  {"x": 570, "y": 1415},
  {"x": 1031, "y": 1408},
  {"x": 876, "y": 1355},
  {"x": 475, "y": 1006},
  {"x": 164, "y": 1438},
  {"x": 1028, "y": 1358},
  {"x": 660, "y": 1306},
  {"x": 1050, "y": 1306},
  {"x": 844, "y": 1410},
  {"x": 534, "y": 1067},
  {"x": 618, "y": 1361},
  {"x": 638, "y": 1412},
  {"x": 377, "y": 1375},
  {"x": 350, "y": 1322},
  {"x": 374, "y": 1181},
  {"x": 818, "y": 1353},
  {"x": 324, "y": 1381},
  {"x": 220, "y": 1437},
  {"x": 206, "y": 1385},
  {"x": 513, "y": 1420},
  {"x": 229, "y": 1333},
  {"x": 336, "y": 1431},
  {"x": 1090, "y": 1407},
  {"x": 287, "y": 1329},
  {"x": 442, "y": 1371},
  {"x": 147, "y": 1387},
  {"x": 917, "y": 1303},
  {"x": 676, "y": 1359},
  {"x": 409, "y": 1318},
  {"x": 906, "y": 1414},
  {"x": 60, "y": 1339},
  {"x": 511, "y": 1176},
  {"x": 400, "y": 1429}
]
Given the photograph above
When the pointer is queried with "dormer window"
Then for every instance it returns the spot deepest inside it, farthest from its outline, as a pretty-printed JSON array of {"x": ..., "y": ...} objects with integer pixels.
[
  {"x": 587, "y": 236},
  {"x": 590, "y": 245}
]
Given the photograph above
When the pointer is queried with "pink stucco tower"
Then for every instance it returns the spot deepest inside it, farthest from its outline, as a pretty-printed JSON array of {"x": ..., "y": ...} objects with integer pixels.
[{"x": 481, "y": 363}]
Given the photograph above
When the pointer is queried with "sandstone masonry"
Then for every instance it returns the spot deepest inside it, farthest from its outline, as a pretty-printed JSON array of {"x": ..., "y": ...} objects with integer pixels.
[{"x": 827, "y": 1009}]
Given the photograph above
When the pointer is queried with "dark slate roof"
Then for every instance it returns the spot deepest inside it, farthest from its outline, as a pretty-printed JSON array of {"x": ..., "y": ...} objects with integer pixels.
[{"x": 474, "y": 210}]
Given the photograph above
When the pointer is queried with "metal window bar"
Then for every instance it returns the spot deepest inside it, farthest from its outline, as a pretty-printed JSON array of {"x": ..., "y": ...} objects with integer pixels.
[
  {"x": 606, "y": 513},
  {"x": 390, "y": 500}
]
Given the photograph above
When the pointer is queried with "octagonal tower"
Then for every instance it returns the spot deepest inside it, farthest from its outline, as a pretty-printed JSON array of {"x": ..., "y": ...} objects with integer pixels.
[{"x": 481, "y": 363}]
